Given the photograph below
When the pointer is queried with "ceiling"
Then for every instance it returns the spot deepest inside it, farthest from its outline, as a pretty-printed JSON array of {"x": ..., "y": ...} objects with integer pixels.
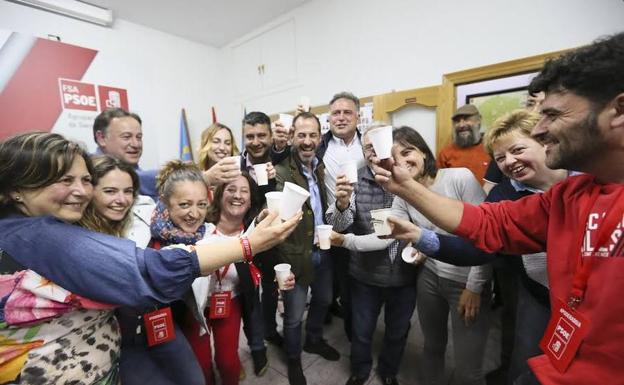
[{"x": 211, "y": 22}]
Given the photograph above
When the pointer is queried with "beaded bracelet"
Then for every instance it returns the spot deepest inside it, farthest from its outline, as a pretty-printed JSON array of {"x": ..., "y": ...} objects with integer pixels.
[{"x": 247, "y": 253}]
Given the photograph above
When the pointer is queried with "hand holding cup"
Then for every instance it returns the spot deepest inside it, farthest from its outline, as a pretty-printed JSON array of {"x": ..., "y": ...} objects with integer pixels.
[
  {"x": 281, "y": 135},
  {"x": 344, "y": 190},
  {"x": 225, "y": 171}
]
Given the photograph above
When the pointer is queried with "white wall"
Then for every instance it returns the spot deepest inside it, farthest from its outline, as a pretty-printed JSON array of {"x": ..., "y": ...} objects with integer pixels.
[
  {"x": 371, "y": 47},
  {"x": 365, "y": 46},
  {"x": 161, "y": 72}
]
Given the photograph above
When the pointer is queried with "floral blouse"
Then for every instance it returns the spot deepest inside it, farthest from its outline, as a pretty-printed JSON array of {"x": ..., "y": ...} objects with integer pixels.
[{"x": 39, "y": 319}]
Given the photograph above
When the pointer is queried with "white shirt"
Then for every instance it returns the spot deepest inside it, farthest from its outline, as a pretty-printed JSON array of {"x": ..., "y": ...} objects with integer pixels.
[
  {"x": 203, "y": 287},
  {"x": 142, "y": 210},
  {"x": 337, "y": 153}
]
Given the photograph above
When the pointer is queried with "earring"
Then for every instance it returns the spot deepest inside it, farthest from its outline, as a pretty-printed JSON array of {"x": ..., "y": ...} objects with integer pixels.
[{"x": 17, "y": 198}]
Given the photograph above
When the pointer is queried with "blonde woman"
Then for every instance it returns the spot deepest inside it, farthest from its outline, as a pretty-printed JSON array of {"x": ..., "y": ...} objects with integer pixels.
[{"x": 217, "y": 153}]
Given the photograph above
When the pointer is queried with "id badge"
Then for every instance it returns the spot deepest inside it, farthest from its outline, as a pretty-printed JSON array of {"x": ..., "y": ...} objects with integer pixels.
[
  {"x": 220, "y": 304},
  {"x": 159, "y": 326},
  {"x": 566, "y": 330}
]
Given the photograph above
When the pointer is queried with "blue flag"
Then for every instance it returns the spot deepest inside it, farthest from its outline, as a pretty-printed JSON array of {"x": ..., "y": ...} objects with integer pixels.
[{"x": 185, "y": 143}]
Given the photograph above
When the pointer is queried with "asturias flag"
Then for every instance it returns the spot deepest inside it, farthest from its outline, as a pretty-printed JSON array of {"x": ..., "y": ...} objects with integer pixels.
[{"x": 185, "y": 143}]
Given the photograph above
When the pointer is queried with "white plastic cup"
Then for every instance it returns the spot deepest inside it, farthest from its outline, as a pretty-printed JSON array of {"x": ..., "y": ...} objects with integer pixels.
[
  {"x": 381, "y": 138},
  {"x": 282, "y": 271},
  {"x": 411, "y": 255},
  {"x": 380, "y": 221},
  {"x": 349, "y": 168},
  {"x": 292, "y": 199},
  {"x": 305, "y": 103},
  {"x": 262, "y": 177},
  {"x": 286, "y": 120},
  {"x": 237, "y": 161},
  {"x": 274, "y": 201},
  {"x": 323, "y": 232}
]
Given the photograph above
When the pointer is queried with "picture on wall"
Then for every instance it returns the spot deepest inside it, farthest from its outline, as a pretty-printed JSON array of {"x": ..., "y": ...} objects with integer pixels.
[
  {"x": 494, "y": 104},
  {"x": 496, "y": 96}
]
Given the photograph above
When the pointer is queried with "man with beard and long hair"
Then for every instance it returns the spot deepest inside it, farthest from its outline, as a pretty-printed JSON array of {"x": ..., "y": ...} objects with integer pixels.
[
  {"x": 311, "y": 266},
  {"x": 466, "y": 149}
]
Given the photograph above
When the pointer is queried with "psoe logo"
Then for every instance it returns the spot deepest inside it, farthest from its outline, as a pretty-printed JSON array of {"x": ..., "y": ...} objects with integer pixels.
[
  {"x": 557, "y": 346},
  {"x": 77, "y": 95},
  {"x": 112, "y": 97},
  {"x": 564, "y": 330}
]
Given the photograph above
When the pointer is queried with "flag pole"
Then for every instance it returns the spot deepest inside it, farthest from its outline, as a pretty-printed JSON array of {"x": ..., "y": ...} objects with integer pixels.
[{"x": 186, "y": 132}]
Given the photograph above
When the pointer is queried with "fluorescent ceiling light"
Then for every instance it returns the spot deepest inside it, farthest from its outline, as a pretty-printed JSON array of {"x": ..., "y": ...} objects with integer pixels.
[{"x": 73, "y": 8}]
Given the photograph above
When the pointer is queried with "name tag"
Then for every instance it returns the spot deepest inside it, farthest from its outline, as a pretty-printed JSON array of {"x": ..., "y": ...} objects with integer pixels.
[
  {"x": 159, "y": 326},
  {"x": 566, "y": 330},
  {"x": 220, "y": 304}
]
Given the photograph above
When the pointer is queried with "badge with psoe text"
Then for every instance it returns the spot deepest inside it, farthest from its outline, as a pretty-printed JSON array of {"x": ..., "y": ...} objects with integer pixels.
[
  {"x": 565, "y": 332},
  {"x": 159, "y": 326},
  {"x": 220, "y": 304}
]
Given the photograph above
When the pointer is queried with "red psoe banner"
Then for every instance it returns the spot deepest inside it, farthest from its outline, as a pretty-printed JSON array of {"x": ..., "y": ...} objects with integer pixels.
[
  {"x": 77, "y": 95},
  {"x": 29, "y": 100}
]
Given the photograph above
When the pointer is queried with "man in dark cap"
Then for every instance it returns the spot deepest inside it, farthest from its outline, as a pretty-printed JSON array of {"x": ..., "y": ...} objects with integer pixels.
[{"x": 466, "y": 149}]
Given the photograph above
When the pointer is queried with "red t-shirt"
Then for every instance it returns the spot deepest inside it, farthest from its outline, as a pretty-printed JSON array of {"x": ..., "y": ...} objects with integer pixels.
[{"x": 473, "y": 158}]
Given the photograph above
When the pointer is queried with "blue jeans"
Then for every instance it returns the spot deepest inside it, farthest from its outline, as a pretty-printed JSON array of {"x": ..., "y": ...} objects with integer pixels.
[
  {"x": 295, "y": 303},
  {"x": 170, "y": 363},
  {"x": 531, "y": 321},
  {"x": 269, "y": 302},
  {"x": 367, "y": 300},
  {"x": 253, "y": 323}
]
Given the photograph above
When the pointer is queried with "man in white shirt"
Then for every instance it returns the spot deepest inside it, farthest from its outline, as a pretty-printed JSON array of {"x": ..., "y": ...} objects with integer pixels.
[{"x": 340, "y": 144}]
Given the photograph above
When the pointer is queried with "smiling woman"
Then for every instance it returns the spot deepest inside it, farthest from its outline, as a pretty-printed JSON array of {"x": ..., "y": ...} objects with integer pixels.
[
  {"x": 181, "y": 211},
  {"x": 116, "y": 186},
  {"x": 217, "y": 142},
  {"x": 235, "y": 204},
  {"x": 65, "y": 199}
]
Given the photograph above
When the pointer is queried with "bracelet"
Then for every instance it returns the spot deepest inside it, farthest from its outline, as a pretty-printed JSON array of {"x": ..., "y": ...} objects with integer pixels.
[{"x": 246, "y": 245}]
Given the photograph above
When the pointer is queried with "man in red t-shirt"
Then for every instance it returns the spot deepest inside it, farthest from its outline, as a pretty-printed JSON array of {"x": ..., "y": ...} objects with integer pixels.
[
  {"x": 466, "y": 149},
  {"x": 579, "y": 222}
]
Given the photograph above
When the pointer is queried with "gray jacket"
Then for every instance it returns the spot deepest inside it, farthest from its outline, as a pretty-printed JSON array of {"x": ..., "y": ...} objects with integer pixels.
[{"x": 371, "y": 267}]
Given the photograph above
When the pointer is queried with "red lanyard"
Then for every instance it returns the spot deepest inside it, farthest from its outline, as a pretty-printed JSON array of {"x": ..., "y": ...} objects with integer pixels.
[
  {"x": 218, "y": 273},
  {"x": 609, "y": 223},
  {"x": 222, "y": 275}
]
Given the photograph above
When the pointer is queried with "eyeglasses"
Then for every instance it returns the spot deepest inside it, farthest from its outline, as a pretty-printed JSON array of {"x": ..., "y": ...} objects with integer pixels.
[{"x": 368, "y": 150}]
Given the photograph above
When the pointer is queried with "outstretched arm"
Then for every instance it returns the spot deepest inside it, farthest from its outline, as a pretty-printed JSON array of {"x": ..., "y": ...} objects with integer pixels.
[
  {"x": 113, "y": 270},
  {"x": 446, "y": 248},
  {"x": 444, "y": 212}
]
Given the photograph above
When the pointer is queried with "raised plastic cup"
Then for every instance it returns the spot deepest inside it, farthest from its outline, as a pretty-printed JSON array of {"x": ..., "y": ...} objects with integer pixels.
[
  {"x": 292, "y": 199},
  {"x": 411, "y": 255},
  {"x": 324, "y": 233},
  {"x": 282, "y": 271},
  {"x": 286, "y": 120},
  {"x": 236, "y": 160},
  {"x": 381, "y": 138},
  {"x": 379, "y": 218},
  {"x": 305, "y": 103},
  {"x": 262, "y": 177},
  {"x": 274, "y": 202},
  {"x": 349, "y": 168}
]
